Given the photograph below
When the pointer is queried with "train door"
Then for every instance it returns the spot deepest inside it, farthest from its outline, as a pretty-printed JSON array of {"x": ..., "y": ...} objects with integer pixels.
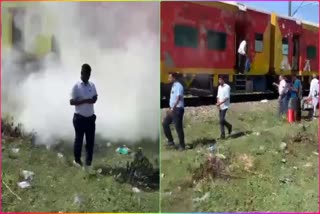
[
  {"x": 240, "y": 30},
  {"x": 295, "y": 53},
  {"x": 17, "y": 28}
]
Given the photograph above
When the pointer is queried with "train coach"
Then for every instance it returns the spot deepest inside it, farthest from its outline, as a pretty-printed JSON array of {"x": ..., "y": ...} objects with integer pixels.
[
  {"x": 199, "y": 40},
  {"x": 29, "y": 32}
]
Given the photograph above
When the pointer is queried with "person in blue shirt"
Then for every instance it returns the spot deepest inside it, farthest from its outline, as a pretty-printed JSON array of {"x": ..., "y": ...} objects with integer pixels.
[
  {"x": 175, "y": 113},
  {"x": 296, "y": 95}
]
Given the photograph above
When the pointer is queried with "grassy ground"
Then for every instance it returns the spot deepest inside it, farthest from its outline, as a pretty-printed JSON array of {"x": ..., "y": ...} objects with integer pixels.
[
  {"x": 58, "y": 186},
  {"x": 264, "y": 177}
]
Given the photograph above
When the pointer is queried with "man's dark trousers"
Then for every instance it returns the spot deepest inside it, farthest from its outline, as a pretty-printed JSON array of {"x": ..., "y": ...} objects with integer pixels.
[
  {"x": 242, "y": 62},
  {"x": 84, "y": 126},
  {"x": 177, "y": 118},
  {"x": 223, "y": 122}
]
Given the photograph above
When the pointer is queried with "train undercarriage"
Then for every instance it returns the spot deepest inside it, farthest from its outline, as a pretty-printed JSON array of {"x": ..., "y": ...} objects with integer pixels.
[{"x": 204, "y": 85}]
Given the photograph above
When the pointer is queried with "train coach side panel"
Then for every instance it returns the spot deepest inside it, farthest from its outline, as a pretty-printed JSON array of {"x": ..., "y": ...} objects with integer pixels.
[
  {"x": 283, "y": 44},
  {"x": 309, "y": 54},
  {"x": 34, "y": 27},
  {"x": 6, "y": 31},
  {"x": 197, "y": 38},
  {"x": 259, "y": 32}
]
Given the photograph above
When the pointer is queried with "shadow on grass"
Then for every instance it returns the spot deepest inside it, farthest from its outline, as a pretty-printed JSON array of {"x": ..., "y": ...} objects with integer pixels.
[
  {"x": 213, "y": 141},
  {"x": 240, "y": 134}
]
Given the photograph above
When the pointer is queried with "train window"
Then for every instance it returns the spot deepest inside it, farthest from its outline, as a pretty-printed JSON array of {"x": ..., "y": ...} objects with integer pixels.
[
  {"x": 285, "y": 46},
  {"x": 311, "y": 52},
  {"x": 216, "y": 40},
  {"x": 258, "y": 42},
  {"x": 186, "y": 36}
]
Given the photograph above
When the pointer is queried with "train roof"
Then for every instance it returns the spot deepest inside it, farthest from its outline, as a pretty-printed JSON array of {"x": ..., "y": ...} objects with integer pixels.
[
  {"x": 310, "y": 23},
  {"x": 245, "y": 7}
]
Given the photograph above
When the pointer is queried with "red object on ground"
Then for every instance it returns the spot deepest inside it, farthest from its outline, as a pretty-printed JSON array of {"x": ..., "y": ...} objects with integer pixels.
[{"x": 291, "y": 113}]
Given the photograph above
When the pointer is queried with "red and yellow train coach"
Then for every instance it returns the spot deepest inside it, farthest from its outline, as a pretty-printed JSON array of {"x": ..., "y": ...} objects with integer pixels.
[
  {"x": 200, "y": 40},
  {"x": 295, "y": 48}
]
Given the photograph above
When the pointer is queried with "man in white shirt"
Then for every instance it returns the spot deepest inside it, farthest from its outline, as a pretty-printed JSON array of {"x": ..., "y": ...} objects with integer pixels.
[
  {"x": 223, "y": 103},
  {"x": 83, "y": 96},
  {"x": 314, "y": 93},
  {"x": 283, "y": 89},
  {"x": 175, "y": 113},
  {"x": 242, "y": 56}
]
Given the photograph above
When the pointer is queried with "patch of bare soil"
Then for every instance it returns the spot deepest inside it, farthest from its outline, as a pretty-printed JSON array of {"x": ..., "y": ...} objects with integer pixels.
[
  {"x": 213, "y": 167},
  {"x": 246, "y": 161},
  {"x": 302, "y": 137}
]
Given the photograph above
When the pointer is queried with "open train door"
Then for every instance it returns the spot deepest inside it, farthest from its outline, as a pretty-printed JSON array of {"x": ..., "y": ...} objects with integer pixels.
[
  {"x": 240, "y": 30},
  {"x": 296, "y": 53},
  {"x": 17, "y": 25}
]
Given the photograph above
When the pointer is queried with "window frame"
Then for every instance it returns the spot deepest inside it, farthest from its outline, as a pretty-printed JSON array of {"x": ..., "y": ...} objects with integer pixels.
[
  {"x": 282, "y": 43},
  {"x": 315, "y": 51},
  {"x": 195, "y": 44},
  {"x": 255, "y": 39},
  {"x": 219, "y": 33}
]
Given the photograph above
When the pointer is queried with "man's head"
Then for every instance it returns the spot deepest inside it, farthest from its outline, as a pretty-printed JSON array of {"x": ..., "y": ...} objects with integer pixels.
[
  {"x": 281, "y": 77},
  {"x": 294, "y": 77},
  {"x": 221, "y": 80},
  {"x": 85, "y": 72},
  {"x": 173, "y": 77},
  {"x": 314, "y": 76}
]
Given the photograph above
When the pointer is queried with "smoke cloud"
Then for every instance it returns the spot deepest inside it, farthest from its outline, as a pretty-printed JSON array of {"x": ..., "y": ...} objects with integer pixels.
[{"x": 121, "y": 43}]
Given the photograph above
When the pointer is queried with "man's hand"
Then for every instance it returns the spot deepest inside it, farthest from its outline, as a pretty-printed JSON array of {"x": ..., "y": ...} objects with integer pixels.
[
  {"x": 74, "y": 102},
  {"x": 91, "y": 101}
]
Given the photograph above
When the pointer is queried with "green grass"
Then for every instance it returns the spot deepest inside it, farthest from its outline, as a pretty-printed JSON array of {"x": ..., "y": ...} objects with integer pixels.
[
  {"x": 56, "y": 182},
  {"x": 256, "y": 185}
]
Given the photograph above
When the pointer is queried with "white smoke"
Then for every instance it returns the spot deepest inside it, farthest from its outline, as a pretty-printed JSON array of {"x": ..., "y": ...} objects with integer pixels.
[{"x": 121, "y": 43}]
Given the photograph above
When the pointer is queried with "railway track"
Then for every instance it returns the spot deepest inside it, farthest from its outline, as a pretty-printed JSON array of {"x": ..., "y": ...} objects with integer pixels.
[{"x": 235, "y": 98}]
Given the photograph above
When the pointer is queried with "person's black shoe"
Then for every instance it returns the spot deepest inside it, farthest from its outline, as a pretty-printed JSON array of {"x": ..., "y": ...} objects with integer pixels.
[
  {"x": 170, "y": 144},
  {"x": 230, "y": 130},
  {"x": 222, "y": 137},
  {"x": 181, "y": 148}
]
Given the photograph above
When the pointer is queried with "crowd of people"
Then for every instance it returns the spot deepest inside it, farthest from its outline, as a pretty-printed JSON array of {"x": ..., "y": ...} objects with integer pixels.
[{"x": 290, "y": 98}]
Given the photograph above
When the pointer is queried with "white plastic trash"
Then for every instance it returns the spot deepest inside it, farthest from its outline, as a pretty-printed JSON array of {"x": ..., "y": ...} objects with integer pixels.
[{"x": 24, "y": 184}]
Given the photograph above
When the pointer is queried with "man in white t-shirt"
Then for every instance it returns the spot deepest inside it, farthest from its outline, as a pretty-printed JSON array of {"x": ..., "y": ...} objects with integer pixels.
[
  {"x": 242, "y": 56},
  {"x": 83, "y": 97},
  {"x": 314, "y": 93},
  {"x": 223, "y": 103},
  {"x": 283, "y": 89}
]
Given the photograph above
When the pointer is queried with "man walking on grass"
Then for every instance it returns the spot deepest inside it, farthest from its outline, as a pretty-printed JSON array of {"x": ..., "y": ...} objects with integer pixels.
[
  {"x": 223, "y": 103},
  {"x": 175, "y": 113},
  {"x": 83, "y": 96}
]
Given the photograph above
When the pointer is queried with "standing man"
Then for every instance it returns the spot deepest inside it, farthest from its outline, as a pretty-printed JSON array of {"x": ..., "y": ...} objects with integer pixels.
[
  {"x": 242, "y": 56},
  {"x": 83, "y": 96},
  {"x": 175, "y": 113},
  {"x": 282, "y": 99},
  {"x": 223, "y": 103},
  {"x": 314, "y": 94},
  {"x": 295, "y": 100}
]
